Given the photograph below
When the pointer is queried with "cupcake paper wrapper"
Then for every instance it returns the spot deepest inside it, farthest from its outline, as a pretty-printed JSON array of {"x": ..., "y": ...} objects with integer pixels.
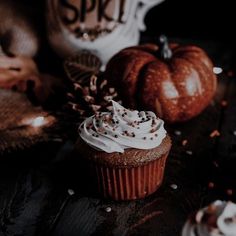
[{"x": 130, "y": 183}]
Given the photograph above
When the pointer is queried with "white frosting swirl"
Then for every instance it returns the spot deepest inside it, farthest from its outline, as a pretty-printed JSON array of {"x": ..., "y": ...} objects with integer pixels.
[
  {"x": 121, "y": 129},
  {"x": 218, "y": 219}
]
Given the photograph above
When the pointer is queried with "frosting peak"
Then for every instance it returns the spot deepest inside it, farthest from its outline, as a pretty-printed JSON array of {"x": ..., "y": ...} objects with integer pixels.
[
  {"x": 218, "y": 219},
  {"x": 121, "y": 129}
]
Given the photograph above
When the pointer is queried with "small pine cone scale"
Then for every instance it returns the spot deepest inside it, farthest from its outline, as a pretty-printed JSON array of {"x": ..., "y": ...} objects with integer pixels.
[{"x": 92, "y": 97}]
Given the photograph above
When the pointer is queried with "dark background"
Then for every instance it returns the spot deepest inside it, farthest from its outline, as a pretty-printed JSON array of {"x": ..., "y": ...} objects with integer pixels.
[{"x": 196, "y": 19}]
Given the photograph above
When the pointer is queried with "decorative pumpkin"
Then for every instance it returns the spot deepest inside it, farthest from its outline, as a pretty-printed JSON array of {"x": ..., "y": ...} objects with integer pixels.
[{"x": 177, "y": 82}]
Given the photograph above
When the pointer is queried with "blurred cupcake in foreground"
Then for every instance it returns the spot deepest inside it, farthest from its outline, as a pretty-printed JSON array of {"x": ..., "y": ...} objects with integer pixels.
[
  {"x": 217, "y": 219},
  {"x": 127, "y": 151}
]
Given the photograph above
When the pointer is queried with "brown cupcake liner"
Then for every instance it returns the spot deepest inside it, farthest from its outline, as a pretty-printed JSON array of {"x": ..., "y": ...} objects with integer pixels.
[{"x": 130, "y": 183}]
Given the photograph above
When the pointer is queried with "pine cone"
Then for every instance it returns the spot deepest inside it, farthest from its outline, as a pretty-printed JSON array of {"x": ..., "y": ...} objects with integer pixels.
[
  {"x": 94, "y": 96},
  {"x": 91, "y": 93}
]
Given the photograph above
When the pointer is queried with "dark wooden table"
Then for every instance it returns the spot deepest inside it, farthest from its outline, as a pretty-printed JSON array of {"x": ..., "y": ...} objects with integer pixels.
[{"x": 42, "y": 192}]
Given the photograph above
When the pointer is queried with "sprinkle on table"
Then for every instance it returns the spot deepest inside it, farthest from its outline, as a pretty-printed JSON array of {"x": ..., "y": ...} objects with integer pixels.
[
  {"x": 230, "y": 73},
  {"x": 211, "y": 185},
  {"x": 215, "y": 164},
  {"x": 224, "y": 103},
  {"x": 217, "y": 70},
  {"x": 108, "y": 209},
  {"x": 189, "y": 152},
  {"x": 184, "y": 142},
  {"x": 71, "y": 192},
  {"x": 177, "y": 132},
  {"x": 174, "y": 186},
  {"x": 214, "y": 133},
  {"x": 229, "y": 192}
]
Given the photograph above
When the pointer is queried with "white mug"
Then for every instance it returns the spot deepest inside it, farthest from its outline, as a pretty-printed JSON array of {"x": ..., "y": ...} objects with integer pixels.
[{"x": 103, "y": 27}]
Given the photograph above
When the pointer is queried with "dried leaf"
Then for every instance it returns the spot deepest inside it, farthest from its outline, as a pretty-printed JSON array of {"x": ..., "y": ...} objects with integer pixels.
[{"x": 82, "y": 65}]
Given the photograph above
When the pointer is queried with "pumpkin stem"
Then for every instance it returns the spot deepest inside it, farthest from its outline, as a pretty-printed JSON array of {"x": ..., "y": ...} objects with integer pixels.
[{"x": 165, "y": 51}]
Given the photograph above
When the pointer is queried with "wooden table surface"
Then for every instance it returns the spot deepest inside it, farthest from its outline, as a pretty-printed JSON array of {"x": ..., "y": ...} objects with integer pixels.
[{"x": 42, "y": 192}]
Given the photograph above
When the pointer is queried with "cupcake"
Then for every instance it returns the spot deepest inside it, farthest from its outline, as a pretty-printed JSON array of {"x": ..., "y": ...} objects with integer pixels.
[
  {"x": 217, "y": 219},
  {"x": 127, "y": 151}
]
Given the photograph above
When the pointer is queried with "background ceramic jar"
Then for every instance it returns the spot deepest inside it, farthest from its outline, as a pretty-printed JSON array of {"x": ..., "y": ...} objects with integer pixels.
[{"x": 101, "y": 26}]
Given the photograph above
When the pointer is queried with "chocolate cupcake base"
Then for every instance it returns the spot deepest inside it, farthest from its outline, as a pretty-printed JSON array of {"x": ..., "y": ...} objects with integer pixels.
[
  {"x": 130, "y": 183},
  {"x": 131, "y": 175}
]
